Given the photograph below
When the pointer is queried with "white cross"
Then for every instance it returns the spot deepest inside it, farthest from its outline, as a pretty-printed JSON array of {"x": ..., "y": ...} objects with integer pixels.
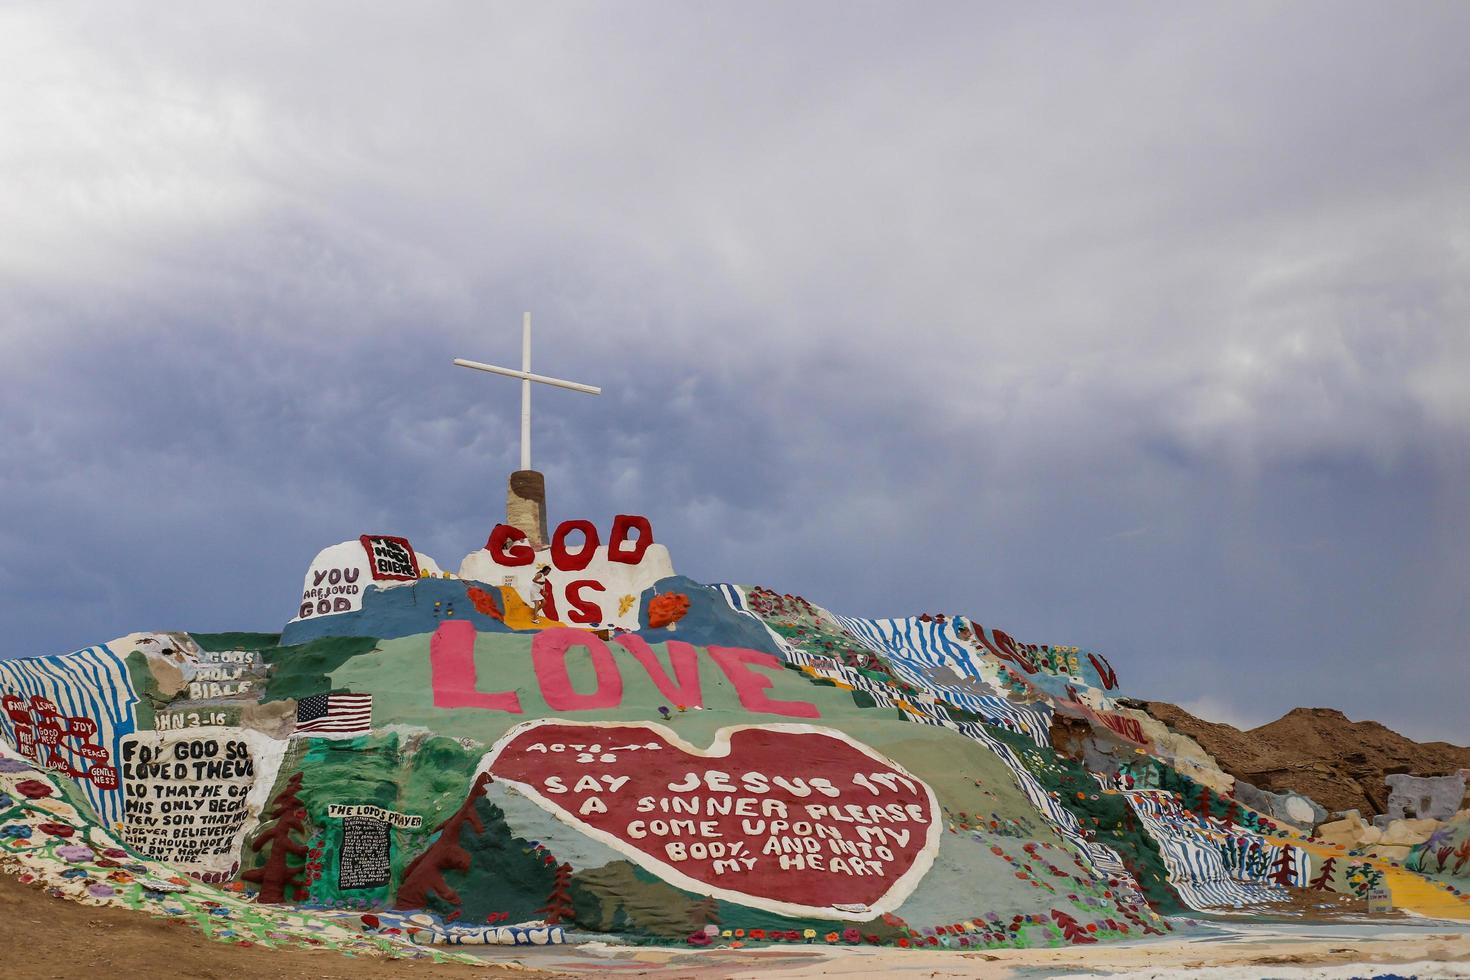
[{"x": 526, "y": 378}]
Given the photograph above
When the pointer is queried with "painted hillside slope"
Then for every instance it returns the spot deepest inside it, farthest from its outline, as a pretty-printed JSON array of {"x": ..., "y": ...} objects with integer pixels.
[{"x": 557, "y": 738}]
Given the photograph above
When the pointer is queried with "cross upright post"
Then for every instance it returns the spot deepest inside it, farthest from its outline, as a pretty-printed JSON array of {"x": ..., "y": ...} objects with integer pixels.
[{"x": 526, "y": 391}]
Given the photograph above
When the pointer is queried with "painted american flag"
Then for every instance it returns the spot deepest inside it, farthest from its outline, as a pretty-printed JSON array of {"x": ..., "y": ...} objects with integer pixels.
[{"x": 334, "y": 713}]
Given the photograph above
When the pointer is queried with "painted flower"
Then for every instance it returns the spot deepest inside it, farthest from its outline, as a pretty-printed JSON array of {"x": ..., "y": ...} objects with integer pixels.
[
  {"x": 33, "y": 789},
  {"x": 56, "y": 829}
]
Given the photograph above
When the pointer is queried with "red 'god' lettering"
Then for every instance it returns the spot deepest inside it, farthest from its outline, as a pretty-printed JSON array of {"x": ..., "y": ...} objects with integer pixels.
[{"x": 509, "y": 547}]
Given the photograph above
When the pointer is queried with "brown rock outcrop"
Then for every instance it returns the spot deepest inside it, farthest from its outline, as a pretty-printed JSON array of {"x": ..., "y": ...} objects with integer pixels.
[{"x": 1318, "y": 752}]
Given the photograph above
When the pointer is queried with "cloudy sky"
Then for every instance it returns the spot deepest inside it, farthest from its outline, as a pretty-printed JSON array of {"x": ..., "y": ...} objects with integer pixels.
[{"x": 1144, "y": 329}]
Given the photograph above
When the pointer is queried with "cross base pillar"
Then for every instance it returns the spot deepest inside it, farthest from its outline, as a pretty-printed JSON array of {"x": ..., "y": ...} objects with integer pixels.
[{"x": 525, "y": 505}]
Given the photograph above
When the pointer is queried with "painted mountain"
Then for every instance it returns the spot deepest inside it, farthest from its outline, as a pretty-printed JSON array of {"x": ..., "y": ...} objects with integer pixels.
[{"x": 575, "y": 740}]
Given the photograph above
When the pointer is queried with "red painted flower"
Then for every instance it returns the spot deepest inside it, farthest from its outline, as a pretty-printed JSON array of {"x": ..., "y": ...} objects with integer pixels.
[
  {"x": 33, "y": 789},
  {"x": 56, "y": 829}
]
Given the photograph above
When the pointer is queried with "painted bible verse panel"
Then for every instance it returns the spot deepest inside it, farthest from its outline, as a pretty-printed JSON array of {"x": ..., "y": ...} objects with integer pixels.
[
  {"x": 365, "y": 858},
  {"x": 795, "y": 819},
  {"x": 190, "y": 795}
]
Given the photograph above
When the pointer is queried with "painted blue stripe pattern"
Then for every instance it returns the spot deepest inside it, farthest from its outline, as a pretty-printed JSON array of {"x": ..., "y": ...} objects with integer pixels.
[
  {"x": 915, "y": 649},
  {"x": 1192, "y": 855},
  {"x": 1102, "y": 858},
  {"x": 926, "y": 644},
  {"x": 91, "y": 683}
]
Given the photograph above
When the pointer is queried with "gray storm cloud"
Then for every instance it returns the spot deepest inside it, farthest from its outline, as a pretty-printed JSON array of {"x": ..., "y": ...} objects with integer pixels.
[{"x": 1143, "y": 329}]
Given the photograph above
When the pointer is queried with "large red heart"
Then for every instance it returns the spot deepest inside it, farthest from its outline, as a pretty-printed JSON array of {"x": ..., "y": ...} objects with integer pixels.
[{"x": 795, "y": 819}]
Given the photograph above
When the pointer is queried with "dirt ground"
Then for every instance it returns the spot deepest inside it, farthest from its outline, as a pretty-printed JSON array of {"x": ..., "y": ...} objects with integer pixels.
[
  {"x": 1423, "y": 952},
  {"x": 1428, "y": 958},
  {"x": 43, "y": 937}
]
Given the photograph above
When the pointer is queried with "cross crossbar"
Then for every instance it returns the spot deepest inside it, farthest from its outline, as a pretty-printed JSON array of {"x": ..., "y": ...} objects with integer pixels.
[{"x": 526, "y": 377}]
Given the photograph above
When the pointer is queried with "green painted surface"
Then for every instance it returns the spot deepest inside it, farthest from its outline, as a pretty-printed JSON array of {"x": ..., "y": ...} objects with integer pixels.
[
  {"x": 236, "y": 641},
  {"x": 970, "y": 877},
  {"x": 302, "y": 670}
]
